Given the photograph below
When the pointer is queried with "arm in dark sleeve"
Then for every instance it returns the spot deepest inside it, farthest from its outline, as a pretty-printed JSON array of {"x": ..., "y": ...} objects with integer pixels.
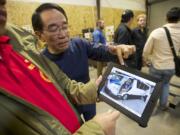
[
  {"x": 133, "y": 35},
  {"x": 99, "y": 52},
  {"x": 134, "y": 38}
]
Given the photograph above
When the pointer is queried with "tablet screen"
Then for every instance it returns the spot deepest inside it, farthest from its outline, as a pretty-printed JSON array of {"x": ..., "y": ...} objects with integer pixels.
[{"x": 128, "y": 90}]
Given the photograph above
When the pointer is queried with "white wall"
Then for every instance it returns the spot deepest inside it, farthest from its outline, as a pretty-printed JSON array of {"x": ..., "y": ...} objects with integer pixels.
[
  {"x": 158, "y": 13},
  {"x": 125, "y": 4},
  {"x": 121, "y": 4}
]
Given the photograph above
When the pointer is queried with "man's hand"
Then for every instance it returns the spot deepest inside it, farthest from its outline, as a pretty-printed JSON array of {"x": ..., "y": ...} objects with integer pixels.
[
  {"x": 146, "y": 62},
  {"x": 107, "y": 121},
  {"x": 98, "y": 81},
  {"x": 122, "y": 51}
]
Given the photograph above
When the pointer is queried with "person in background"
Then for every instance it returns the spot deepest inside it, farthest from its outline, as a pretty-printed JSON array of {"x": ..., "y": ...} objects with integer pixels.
[
  {"x": 50, "y": 24},
  {"x": 162, "y": 59},
  {"x": 139, "y": 37},
  {"x": 98, "y": 35},
  {"x": 99, "y": 39},
  {"x": 36, "y": 96},
  {"x": 123, "y": 34}
]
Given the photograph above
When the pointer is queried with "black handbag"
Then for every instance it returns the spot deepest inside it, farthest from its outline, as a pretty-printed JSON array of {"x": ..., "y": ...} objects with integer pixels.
[{"x": 176, "y": 58}]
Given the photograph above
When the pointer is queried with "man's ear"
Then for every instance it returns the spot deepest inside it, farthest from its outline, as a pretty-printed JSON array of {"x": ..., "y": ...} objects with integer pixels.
[{"x": 39, "y": 35}]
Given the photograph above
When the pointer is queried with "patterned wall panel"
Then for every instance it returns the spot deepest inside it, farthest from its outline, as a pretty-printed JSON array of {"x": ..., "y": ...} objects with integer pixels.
[
  {"x": 80, "y": 17},
  {"x": 113, "y": 16}
]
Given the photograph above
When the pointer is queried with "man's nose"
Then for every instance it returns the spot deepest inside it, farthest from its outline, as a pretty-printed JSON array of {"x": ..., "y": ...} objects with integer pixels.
[
  {"x": 61, "y": 36},
  {"x": 61, "y": 32}
]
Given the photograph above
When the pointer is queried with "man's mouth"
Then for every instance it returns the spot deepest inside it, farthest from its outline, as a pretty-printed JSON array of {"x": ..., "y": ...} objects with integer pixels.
[{"x": 63, "y": 44}]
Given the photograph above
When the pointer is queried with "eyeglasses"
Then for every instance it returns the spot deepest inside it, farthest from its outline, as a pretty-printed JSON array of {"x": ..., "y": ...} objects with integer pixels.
[{"x": 54, "y": 28}]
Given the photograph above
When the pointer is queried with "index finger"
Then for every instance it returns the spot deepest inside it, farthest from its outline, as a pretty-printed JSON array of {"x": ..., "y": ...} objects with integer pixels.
[{"x": 120, "y": 56}]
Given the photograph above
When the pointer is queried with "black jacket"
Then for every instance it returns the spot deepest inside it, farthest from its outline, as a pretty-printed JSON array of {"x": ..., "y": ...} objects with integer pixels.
[{"x": 123, "y": 36}]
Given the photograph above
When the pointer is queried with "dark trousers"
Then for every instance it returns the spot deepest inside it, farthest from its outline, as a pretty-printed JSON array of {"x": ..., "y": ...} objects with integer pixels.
[
  {"x": 131, "y": 61},
  {"x": 88, "y": 111},
  {"x": 100, "y": 66},
  {"x": 138, "y": 61}
]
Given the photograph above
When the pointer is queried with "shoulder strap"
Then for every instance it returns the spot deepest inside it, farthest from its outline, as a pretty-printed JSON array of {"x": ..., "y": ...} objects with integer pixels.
[{"x": 170, "y": 41}]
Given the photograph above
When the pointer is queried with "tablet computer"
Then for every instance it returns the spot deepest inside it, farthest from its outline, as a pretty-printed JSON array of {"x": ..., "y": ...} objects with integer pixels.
[{"x": 130, "y": 91}]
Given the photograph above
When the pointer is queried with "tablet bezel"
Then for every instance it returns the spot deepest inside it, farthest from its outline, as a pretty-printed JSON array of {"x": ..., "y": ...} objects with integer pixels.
[{"x": 143, "y": 120}]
